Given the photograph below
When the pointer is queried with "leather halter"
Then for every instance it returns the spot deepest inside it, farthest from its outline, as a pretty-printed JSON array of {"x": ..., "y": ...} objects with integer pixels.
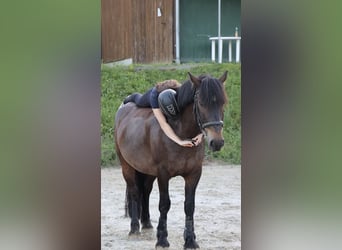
[{"x": 202, "y": 125}]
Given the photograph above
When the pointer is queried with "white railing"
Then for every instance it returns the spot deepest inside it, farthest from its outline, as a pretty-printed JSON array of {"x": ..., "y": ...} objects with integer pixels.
[{"x": 220, "y": 40}]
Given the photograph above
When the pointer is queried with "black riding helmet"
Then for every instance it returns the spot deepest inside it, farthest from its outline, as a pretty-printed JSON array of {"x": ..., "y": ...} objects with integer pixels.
[{"x": 168, "y": 104}]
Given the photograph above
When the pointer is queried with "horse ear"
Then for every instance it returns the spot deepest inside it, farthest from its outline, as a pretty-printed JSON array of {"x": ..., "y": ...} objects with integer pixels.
[
  {"x": 223, "y": 78},
  {"x": 195, "y": 81}
]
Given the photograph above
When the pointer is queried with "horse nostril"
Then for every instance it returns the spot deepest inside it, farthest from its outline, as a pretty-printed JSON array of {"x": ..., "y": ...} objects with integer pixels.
[{"x": 216, "y": 145}]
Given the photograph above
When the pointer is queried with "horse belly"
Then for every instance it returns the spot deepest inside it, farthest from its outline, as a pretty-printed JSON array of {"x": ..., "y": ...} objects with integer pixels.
[
  {"x": 132, "y": 140},
  {"x": 140, "y": 159}
]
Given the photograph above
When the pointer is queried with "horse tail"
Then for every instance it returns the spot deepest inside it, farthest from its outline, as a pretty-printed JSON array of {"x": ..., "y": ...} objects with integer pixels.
[{"x": 126, "y": 203}]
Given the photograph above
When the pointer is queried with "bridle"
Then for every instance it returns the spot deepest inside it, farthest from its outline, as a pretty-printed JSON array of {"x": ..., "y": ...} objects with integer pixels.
[{"x": 200, "y": 123}]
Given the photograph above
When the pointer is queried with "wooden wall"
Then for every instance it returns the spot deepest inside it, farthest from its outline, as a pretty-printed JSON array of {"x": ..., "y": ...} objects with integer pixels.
[
  {"x": 132, "y": 29},
  {"x": 116, "y": 35}
]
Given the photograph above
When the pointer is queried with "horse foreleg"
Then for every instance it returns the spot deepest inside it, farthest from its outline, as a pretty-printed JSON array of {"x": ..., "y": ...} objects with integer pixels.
[
  {"x": 164, "y": 206},
  {"x": 191, "y": 182}
]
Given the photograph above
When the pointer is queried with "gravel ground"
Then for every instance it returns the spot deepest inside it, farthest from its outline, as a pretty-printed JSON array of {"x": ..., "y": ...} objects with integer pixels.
[{"x": 217, "y": 211}]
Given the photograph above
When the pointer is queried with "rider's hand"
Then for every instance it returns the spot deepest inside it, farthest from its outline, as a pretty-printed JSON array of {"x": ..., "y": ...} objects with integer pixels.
[
  {"x": 193, "y": 142},
  {"x": 197, "y": 139},
  {"x": 186, "y": 143}
]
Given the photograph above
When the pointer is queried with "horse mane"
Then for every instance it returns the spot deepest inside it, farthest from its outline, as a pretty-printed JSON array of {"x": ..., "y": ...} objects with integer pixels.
[
  {"x": 185, "y": 94},
  {"x": 211, "y": 92}
]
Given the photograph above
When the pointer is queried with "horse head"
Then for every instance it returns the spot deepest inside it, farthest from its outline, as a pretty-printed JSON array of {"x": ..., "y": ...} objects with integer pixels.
[{"x": 209, "y": 101}]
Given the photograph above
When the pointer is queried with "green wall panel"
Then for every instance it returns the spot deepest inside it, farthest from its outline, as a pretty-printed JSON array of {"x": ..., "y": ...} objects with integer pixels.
[{"x": 199, "y": 21}]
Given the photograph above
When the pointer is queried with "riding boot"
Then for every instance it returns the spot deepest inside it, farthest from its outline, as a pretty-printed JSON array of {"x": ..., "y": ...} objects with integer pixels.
[{"x": 130, "y": 98}]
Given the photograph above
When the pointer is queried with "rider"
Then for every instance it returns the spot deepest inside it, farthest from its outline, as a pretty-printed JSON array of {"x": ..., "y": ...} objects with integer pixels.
[{"x": 150, "y": 99}]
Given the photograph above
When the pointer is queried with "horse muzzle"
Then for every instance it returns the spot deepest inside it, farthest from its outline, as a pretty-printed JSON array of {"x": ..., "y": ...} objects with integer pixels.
[
  {"x": 215, "y": 144},
  {"x": 214, "y": 137}
]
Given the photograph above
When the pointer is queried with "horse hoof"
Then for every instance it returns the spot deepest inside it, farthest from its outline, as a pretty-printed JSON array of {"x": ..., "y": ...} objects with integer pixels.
[
  {"x": 161, "y": 248},
  {"x": 134, "y": 233},
  {"x": 191, "y": 245},
  {"x": 162, "y": 243},
  {"x": 146, "y": 225}
]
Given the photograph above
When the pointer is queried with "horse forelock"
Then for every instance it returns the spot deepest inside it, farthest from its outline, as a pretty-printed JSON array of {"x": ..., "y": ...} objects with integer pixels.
[{"x": 211, "y": 92}]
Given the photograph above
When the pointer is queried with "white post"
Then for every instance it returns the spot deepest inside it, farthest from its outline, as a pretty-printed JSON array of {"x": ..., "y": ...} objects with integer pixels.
[
  {"x": 220, "y": 50},
  {"x": 230, "y": 51},
  {"x": 213, "y": 50},
  {"x": 237, "y": 51},
  {"x": 177, "y": 32},
  {"x": 219, "y": 32}
]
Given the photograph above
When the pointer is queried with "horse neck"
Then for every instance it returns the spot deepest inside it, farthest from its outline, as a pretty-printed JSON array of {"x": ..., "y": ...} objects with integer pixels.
[{"x": 186, "y": 126}]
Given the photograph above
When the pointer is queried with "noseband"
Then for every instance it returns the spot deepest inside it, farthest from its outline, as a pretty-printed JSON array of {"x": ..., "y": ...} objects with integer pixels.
[{"x": 200, "y": 123}]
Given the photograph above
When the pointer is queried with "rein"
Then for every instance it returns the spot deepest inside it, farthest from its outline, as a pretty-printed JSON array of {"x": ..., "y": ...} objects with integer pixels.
[{"x": 202, "y": 125}]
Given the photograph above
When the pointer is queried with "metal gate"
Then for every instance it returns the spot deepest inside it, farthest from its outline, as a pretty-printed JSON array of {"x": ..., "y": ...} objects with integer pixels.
[{"x": 199, "y": 21}]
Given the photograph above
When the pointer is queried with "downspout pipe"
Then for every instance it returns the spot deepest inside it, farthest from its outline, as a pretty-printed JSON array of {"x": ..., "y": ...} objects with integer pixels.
[{"x": 177, "y": 32}]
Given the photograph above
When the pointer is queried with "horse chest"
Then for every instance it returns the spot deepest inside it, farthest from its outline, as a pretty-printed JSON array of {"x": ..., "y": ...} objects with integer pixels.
[{"x": 179, "y": 161}]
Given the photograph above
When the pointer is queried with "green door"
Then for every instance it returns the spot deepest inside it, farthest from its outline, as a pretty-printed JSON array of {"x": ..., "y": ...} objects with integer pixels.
[{"x": 199, "y": 21}]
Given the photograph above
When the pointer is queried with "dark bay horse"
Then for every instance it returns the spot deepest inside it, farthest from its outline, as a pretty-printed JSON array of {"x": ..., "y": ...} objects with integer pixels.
[{"x": 146, "y": 153}]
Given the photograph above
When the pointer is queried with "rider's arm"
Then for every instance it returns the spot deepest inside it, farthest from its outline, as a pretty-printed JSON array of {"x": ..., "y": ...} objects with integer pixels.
[{"x": 168, "y": 130}]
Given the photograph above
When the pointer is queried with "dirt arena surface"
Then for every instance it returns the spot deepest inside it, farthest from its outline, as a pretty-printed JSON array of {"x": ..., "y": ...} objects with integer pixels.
[{"x": 217, "y": 215}]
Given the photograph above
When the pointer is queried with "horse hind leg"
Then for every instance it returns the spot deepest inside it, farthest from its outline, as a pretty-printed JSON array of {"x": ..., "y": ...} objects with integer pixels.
[
  {"x": 164, "y": 207},
  {"x": 134, "y": 209},
  {"x": 146, "y": 191}
]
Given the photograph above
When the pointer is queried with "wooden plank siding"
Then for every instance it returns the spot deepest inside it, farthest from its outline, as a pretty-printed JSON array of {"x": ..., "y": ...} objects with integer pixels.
[
  {"x": 116, "y": 35},
  {"x": 132, "y": 29}
]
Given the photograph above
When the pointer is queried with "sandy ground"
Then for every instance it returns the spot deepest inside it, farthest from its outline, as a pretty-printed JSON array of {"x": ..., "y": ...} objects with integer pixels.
[{"x": 217, "y": 211}]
